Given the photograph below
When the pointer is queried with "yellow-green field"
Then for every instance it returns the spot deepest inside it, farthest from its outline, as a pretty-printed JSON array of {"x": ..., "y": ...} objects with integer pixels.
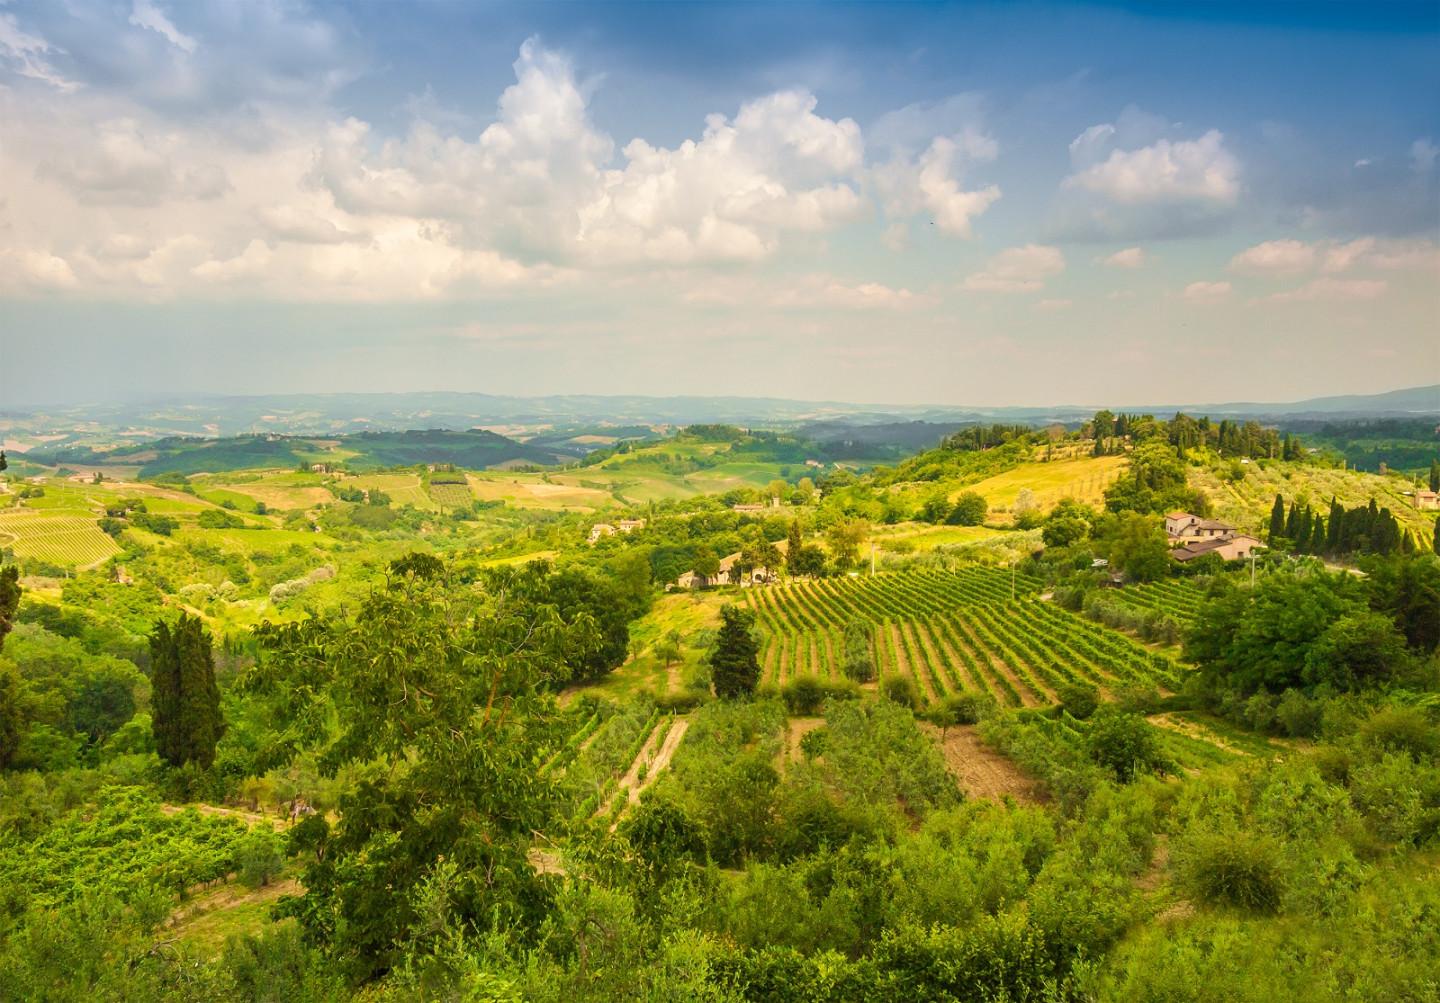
[
  {"x": 525, "y": 490},
  {"x": 65, "y": 537},
  {"x": 1084, "y": 479},
  {"x": 908, "y": 537}
]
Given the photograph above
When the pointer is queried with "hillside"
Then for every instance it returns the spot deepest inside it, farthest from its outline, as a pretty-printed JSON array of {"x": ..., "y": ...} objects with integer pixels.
[{"x": 475, "y": 448}]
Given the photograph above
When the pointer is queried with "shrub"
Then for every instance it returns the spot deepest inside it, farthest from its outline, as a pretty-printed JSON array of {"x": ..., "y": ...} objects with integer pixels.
[
  {"x": 258, "y": 856},
  {"x": 1125, "y": 744},
  {"x": 901, "y": 690},
  {"x": 803, "y": 695},
  {"x": 1079, "y": 699},
  {"x": 970, "y": 510},
  {"x": 1401, "y": 729},
  {"x": 1298, "y": 715},
  {"x": 812, "y": 744},
  {"x": 1235, "y": 868}
]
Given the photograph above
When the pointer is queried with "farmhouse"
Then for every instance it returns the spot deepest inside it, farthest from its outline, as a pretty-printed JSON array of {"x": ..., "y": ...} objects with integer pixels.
[
  {"x": 630, "y": 525},
  {"x": 599, "y": 530},
  {"x": 731, "y": 574},
  {"x": 1231, "y": 548},
  {"x": 755, "y": 508},
  {"x": 1427, "y": 500},
  {"x": 1181, "y": 526}
]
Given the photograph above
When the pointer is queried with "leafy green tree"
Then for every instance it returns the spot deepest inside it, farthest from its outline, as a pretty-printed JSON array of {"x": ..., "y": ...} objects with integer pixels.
[
  {"x": 1260, "y": 639},
  {"x": 734, "y": 664},
  {"x": 859, "y": 658},
  {"x": 13, "y": 716},
  {"x": 186, "y": 701},
  {"x": 706, "y": 564},
  {"x": 808, "y": 561},
  {"x": 970, "y": 510},
  {"x": 667, "y": 649},
  {"x": 1136, "y": 545},
  {"x": 845, "y": 537},
  {"x": 445, "y": 688},
  {"x": 1358, "y": 650}
]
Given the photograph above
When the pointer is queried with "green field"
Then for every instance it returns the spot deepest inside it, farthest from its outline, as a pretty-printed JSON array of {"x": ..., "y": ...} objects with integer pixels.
[{"x": 403, "y": 489}]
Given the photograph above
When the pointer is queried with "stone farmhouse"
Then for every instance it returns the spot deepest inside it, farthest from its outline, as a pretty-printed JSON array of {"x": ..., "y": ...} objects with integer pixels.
[
  {"x": 1182, "y": 526},
  {"x": 1236, "y": 547},
  {"x": 1427, "y": 500},
  {"x": 604, "y": 529}
]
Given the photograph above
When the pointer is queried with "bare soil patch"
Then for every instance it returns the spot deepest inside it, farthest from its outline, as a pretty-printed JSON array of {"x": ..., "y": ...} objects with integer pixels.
[{"x": 983, "y": 772}]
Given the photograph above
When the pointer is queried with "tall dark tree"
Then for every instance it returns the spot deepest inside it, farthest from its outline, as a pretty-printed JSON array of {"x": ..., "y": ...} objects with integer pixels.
[
  {"x": 9, "y": 599},
  {"x": 735, "y": 664},
  {"x": 793, "y": 542},
  {"x": 185, "y": 701},
  {"x": 1335, "y": 526},
  {"x": 1434, "y": 473},
  {"x": 1435, "y": 540},
  {"x": 1277, "y": 520}
]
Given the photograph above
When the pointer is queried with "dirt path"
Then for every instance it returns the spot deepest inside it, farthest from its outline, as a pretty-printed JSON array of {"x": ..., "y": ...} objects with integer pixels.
[
  {"x": 253, "y": 817},
  {"x": 654, "y": 756},
  {"x": 1192, "y": 730},
  {"x": 983, "y": 772}
]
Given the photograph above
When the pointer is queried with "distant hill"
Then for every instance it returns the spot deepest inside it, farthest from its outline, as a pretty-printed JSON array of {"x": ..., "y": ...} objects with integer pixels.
[
  {"x": 474, "y": 449},
  {"x": 556, "y": 422}
]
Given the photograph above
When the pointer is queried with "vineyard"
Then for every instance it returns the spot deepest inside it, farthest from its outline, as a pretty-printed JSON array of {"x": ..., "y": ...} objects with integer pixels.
[
  {"x": 66, "y": 538},
  {"x": 951, "y": 632},
  {"x": 451, "y": 494},
  {"x": 1172, "y": 598},
  {"x": 124, "y": 846}
]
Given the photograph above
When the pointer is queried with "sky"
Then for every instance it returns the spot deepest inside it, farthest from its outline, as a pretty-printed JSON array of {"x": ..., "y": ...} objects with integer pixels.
[{"x": 987, "y": 204}]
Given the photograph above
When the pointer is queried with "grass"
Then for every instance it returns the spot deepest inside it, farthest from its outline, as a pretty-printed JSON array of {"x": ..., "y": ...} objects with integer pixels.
[
  {"x": 525, "y": 490},
  {"x": 918, "y": 536},
  {"x": 689, "y": 613},
  {"x": 207, "y": 921}
]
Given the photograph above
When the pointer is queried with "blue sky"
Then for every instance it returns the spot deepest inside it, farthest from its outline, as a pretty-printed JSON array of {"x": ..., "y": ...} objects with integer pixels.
[{"x": 980, "y": 203}]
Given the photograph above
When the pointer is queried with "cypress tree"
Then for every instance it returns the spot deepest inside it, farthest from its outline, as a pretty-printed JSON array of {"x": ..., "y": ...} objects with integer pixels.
[
  {"x": 184, "y": 697},
  {"x": 1317, "y": 536},
  {"x": 1277, "y": 520},
  {"x": 1292, "y": 524},
  {"x": 1337, "y": 521},
  {"x": 1434, "y": 475},
  {"x": 735, "y": 665}
]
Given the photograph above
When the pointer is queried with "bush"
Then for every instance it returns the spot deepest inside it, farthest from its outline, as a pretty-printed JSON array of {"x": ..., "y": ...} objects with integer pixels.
[
  {"x": 901, "y": 690},
  {"x": 1079, "y": 699},
  {"x": 259, "y": 856},
  {"x": 803, "y": 695},
  {"x": 1298, "y": 715},
  {"x": 1401, "y": 729},
  {"x": 1237, "y": 869},
  {"x": 1125, "y": 744}
]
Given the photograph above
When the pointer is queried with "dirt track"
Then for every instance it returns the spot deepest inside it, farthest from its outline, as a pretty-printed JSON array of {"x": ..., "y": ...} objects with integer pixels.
[{"x": 983, "y": 772}]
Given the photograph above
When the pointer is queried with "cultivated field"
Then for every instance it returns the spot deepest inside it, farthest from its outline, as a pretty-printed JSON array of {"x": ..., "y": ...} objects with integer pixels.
[
  {"x": 403, "y": 489},
  {"x": 65, "y": 538}
]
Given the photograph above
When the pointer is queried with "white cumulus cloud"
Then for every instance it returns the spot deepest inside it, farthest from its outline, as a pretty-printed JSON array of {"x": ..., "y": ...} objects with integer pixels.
[
  {"x": 1130, "y": 257},
  {"x": 1275, "y": 257},
  {"x": 1207, "y": 292},
  {"x": 1017, "y": 270},
  {"x": 1199, "y": 169}
]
